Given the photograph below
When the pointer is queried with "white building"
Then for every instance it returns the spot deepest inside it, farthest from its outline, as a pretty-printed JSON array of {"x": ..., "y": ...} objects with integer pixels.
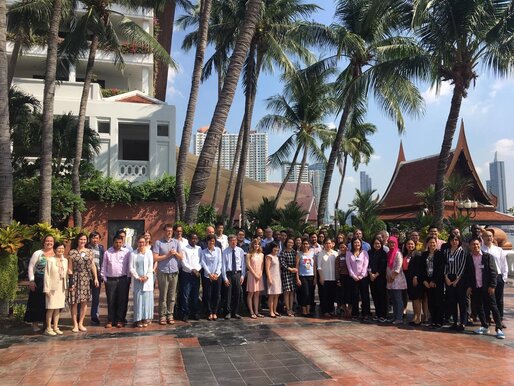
[
  {"x": 257, "y": 152},
  {"x": 316, "y": 178},
  {"x": 137, "y": 131},
  {"x": 293, "y": 177}
]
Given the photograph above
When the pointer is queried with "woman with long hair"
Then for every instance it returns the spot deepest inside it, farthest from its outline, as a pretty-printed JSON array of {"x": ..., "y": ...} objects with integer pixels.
[
  {"x": 141, "y": 269},
  {"x": 357, "y": 260},
  {"x": 415, "y": 288},
  {"x": 432, "y": 277},
  {"x": 82, "y": 270},
  {"x": 274, "y": 280},
  {"x": 345, "y": 289},
  {"x": 377, "y": 278},
  {"x": 305, "y": 277},
  {"x": 396, "y": 282},
  {"x": 456, "y": 286},
  {"x": 56, "y": 283},
  {"x": 36, "y": 308},
  {"x": 327, "y": 278},
  {"x": 254, "y": 280},
  {"x": 288, "y": 275}
]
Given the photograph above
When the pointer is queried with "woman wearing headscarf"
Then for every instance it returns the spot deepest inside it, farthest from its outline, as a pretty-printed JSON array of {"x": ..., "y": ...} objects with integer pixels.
[
  {"x": 396, "y": 282},
  {"x": 377, "y": 275}
]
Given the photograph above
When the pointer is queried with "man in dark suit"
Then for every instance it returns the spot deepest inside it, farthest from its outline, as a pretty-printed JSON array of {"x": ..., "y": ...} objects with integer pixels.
[{"x": 482, "y": 284}]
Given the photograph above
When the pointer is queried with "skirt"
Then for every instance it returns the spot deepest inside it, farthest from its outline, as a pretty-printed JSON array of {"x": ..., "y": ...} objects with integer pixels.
[{"x": 36, "y": 304}]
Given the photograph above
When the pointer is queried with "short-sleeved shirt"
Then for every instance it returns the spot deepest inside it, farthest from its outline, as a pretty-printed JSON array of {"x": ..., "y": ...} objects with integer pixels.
[
  {"x": 306, "y": 263},
  {"x": 162, "y": 247}
]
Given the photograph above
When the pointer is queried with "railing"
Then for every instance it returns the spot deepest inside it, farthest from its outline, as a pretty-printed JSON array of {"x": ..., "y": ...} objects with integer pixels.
[{"x": 133, "y": 170}]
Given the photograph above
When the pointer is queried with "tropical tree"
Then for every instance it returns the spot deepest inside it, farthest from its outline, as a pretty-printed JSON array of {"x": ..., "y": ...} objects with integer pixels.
[
  {"x": 105, "y": 32},
  {"x": 368, "y": 208},
  {"x": 45, "y": 180},
  {"x": 341, "y": 218},
  {"x": 307, "y": 99},
  {"x": 27, "y": 24},
  {"x": 205, "y": 161},
  {"x": 265, "y": 214},
  {"x": 293, "y": 216},
  {"x": 201, "y": 44},
  {"x": 427, "y": 197},
  {"x": 356, "y": 146},
  {"x": 279, "y": 35},
  {"x": 380, "y": 61},
  {"x": 6, "y": 180},
  {"x": 458, "y": 36}
]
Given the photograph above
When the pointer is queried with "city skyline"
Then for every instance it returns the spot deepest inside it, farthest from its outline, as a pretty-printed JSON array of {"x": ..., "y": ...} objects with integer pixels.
[{"x": 496, "y": 183}]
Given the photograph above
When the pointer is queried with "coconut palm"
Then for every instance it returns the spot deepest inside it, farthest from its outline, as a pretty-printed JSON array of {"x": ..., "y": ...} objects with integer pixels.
[
  {"x": 380, "y": 62},
  {"x": 104, "y": 32},
  {"x": 45, "y": 180},
  {"x": 293, "y": 216},
  {"x": 201, "y": 44},
  {"x": 6, "y": 180},
  {"x": 356, "y": 146},
  {"x": 459, "y": 35},
  {"x": 264, "y": 215},
  {"x": 368, "y": 208},
  {"x": 279, "y": 36},
  {"x": 306, "y": 101},
  {"x": 208, "y": 153}
]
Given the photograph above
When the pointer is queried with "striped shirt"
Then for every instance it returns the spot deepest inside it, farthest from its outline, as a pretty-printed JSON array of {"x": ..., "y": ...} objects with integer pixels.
[{"x": 455, "y": 262}]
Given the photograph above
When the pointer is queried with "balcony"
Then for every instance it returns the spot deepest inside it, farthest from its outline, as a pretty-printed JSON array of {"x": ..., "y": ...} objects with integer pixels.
[{"x": 133, "y": 171}]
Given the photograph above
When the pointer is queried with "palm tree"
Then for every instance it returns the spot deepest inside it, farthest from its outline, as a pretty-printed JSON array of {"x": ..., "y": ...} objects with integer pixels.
[
  {"x": 357, "y": 147},
  {"x": 379, "y": 62},
  {"x": 265, "y": 214},
  {"x": 427, "y": 197},
  {"x": 341, "y": 217},
  {"x": 306, "y": 101},
  {"x": 28, "y": 22},
  {"x": 6, "y": 180},
  {"x": 201, "y": 44},
  {"x": 279, "y": 35},
  {"x": 368, "y": 209},
  {"x": 205, "y": 161},
  {"x": 45, "y": 180},
  {"x": 293, "y": 216},
  {"x": 459, "y": 35},
  {"x": 104, "y": 32}
]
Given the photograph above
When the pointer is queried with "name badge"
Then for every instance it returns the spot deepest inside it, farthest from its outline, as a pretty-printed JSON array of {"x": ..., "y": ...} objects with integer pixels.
[
  {"x": 451, "y": 259},
  {"x": 481, "y": 266}
]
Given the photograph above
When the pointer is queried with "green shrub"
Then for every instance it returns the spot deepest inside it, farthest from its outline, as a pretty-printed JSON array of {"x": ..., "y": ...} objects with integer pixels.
[
  {"x": 18, "y": 312},
  {"x": 8, "y": 275}
]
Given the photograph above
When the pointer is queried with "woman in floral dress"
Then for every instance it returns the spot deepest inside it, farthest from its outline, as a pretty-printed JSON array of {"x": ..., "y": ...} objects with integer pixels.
[{"x": 82, "y": 271}]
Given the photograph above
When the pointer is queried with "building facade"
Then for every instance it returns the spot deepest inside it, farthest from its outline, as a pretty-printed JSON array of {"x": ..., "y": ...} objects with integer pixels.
[
  {"x": 257, "y": 152},
  {"x": 316, "y": 178},
  {"x": 365, "y": 182},
  {"x": 295, "y": 174},
  {"x": 136, "y": 131},
  {"x": 496, "y": 184}
]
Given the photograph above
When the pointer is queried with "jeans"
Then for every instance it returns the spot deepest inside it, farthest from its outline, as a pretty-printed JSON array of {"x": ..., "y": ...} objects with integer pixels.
[
  {"x": 189, "y": 289},
  {"x": 167, "y": 293},
  {"x": 397, "y": 300}
]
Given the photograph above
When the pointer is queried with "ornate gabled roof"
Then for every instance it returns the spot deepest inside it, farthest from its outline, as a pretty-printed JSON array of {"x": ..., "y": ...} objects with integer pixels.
[{"x": 417, "y": 175}]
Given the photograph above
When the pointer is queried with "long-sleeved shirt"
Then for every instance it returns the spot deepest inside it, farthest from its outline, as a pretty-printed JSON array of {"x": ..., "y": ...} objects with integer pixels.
[
  {"x": 226, "y": 261},
  {"x": 455, "y": 262},
  {"x": 147, "y": 267},
  {"x": 115, "y": 263},
  {"x": 191, "y": 258},
  {"x": 211, "y": 261},
  {"x": 357, "y": 265},
  {"x": 500, "y": 259},
  {"x": 326, "y": 264}
]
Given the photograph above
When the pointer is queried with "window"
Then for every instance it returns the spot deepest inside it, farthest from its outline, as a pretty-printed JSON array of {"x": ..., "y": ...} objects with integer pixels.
[
  {"x": 104, "y": 127},
  {"x": 162, "y": 130}
]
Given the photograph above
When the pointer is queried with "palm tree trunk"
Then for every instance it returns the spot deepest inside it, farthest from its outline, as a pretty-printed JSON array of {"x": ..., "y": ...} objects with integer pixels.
[
  {"x": 442, "y": 163},
  {"x": 6, "y": 180},
  {"x": 336, "y": 146},
  {"x": 205, "y": 161},
  {"x": 45, "y": 190},
  {"x": 302, "y": 168},
  {"x": 203, "y": 29},
  {"x": 220, "y": 149},
  {"x": 75, "y": 175},
  {"x": 340, "y": 191},
  {"x": 14, "y": 59},
  {"x": 237, "y": 157},
  {"x": 166, "y": 20},
  {"x": 289, "y": 172}
]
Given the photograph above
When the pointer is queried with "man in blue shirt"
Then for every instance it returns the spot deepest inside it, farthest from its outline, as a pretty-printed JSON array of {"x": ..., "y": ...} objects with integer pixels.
[
  {"x": 233, "y": 270},
  {"x": 167, "y": 252}
]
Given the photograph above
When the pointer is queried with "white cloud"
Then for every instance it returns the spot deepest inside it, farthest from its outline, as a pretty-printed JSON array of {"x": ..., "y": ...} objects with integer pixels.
[
  {"x": 376, "y": 157},
  {"x": 171, "y": 91},
  {"x": 505, "y": 148},
  {"x": 479, "y": 108},
  {"x": 349, "y": 179},
  {"x": 498, "y": 85},
  {"x": 431, "y": 96}
]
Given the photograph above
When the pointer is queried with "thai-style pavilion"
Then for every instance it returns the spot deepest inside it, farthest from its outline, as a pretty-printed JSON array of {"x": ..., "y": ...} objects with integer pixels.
[{"x": 400, "y": 202}]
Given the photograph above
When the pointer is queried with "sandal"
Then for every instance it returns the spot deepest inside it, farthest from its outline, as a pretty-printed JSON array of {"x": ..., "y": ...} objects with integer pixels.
[
  {"x": 253, "y": 316},
  {"x": 290, "y": 314},
  {"x": 260, "y": 316},
  {"x": 163, "y": 322}
]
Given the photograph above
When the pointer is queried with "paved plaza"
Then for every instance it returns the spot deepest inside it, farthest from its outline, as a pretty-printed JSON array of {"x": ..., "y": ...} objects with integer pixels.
[{"x": 292, "y": 351}]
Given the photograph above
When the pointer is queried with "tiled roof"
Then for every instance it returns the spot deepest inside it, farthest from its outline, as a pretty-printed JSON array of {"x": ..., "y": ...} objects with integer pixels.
[{"x": 484, "y": 215}]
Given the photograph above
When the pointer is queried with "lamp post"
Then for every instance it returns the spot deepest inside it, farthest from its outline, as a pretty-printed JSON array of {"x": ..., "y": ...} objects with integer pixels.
[{"x": 469, "y": 207}]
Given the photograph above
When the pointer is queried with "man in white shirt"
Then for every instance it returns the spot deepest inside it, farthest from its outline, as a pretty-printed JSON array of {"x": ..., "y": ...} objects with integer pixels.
[
  {"x": 178, "y": 231},
  {"x": 500, "y": 260},
  {"x": 189, "y": 279},
  {"x": 222, "y": 238}
]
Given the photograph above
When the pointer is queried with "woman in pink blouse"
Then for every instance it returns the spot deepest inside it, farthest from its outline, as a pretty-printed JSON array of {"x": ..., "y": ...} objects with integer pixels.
[{"x": 357, "y": 261}]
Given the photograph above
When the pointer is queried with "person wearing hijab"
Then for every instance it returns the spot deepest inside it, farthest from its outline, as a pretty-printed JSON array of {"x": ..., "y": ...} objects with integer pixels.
[{"x": 396, "y": 282}]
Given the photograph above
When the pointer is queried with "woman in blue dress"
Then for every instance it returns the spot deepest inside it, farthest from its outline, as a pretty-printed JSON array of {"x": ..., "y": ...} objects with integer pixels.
[{"x": 141, "y": 269}]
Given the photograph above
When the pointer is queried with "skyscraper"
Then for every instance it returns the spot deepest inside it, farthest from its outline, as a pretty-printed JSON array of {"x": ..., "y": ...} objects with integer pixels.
[
  {"x": 316, "y": 177},
  {"x": 257, "y": 152},
  {"x": 496, "y": 184},
  {"x": 295, "y": 173},
  {"x": 365, "y": 183}
]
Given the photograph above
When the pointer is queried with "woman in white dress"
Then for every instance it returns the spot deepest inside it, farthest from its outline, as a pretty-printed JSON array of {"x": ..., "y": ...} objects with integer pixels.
[
  {"x": 141, "y": 269},
  {"x": 55, "y": 285}
]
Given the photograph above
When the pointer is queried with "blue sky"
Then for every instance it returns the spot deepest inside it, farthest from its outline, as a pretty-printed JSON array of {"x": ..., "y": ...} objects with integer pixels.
[{"x": 487, "y": 113}]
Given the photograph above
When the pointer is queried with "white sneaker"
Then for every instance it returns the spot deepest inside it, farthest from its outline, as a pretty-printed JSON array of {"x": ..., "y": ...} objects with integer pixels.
[
  {"x": 500, "y": 334},
  {"x": 482, "y": 331}
]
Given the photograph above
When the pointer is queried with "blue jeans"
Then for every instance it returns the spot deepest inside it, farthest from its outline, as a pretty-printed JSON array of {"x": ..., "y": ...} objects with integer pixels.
[
  {"x": 189, "y": 291},
  {"x": 396, "y": 298}
]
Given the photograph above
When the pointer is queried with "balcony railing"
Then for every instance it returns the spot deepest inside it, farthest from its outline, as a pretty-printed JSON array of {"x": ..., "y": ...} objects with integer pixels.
[{"x": 132, "y": 170}]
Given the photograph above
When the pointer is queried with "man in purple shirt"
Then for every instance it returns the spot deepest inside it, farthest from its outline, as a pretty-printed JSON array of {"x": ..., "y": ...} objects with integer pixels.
[{"x": 115, "y": 271}]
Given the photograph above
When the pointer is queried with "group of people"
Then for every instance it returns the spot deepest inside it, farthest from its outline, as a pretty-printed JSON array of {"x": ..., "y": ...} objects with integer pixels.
[{"x": 457, "y": 280}]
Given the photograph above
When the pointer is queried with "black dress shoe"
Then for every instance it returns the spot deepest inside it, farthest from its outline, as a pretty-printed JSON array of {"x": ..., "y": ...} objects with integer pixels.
[
  {"x": 236, "y": 316},
  {"x": 95, "y": 322}
]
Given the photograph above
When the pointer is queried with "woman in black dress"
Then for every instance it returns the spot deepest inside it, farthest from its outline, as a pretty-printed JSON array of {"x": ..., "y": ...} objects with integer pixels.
[
  {"x": 377, "y": 276},
  {"x": 432, "y": 277}
]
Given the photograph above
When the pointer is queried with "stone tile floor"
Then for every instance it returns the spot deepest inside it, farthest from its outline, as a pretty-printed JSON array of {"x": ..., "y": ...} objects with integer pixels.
[{"x": 265, "y": 351}]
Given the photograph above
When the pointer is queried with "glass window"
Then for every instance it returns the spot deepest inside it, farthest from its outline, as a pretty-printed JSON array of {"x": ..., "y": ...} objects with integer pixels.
[
  {"x": 162, "y": 130},
  {"x": 104, "y": 127}
]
